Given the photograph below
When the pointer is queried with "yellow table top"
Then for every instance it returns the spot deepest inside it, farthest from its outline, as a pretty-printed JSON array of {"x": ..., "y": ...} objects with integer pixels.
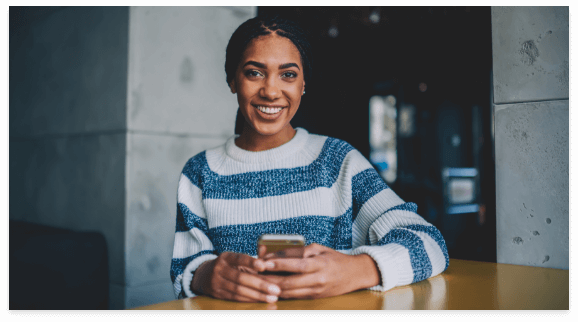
[{"x": 465, "y": 285}]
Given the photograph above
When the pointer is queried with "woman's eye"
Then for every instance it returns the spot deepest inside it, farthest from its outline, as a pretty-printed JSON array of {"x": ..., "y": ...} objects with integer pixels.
[
  {"x": 253, "y": 73},
  {"x": 289, "y": 75}
]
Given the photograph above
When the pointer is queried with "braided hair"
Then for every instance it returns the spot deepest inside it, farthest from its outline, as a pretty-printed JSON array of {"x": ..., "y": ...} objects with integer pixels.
[{"x": 262, "y": 26}]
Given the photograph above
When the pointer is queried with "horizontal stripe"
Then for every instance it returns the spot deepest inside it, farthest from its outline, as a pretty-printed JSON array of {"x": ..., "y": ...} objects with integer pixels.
[
  {"x": 369, "y": 213},
  {"x": 323, "y": 172},
  {"x": 407, "y": 206},
  {"x": 333, "y": 232},
  {"x": 419, "y": 258},
  {"x": 397, "y": 216},
  {"x": 365, "y": 185},
  {"x": 190, "y": 242},
  {"x": 321, "y": 201},
  {"x": 187, "y": 220},
  {"x": 436, "y": 235},
  {"x": 178, "y": 264},
  {"x": 191, "y": 196}
]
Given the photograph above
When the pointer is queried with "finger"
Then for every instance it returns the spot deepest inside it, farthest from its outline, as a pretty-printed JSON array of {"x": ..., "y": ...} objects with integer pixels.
[
  {"x": 247, "y": 270},
  {"x": 273, "y": 279},
  {"x": 240, "y": 291},
  {"x": 300, "y": 281},
  {"x": 261, "y": 250},
  {"x": 302, "y": 293},
  {"x": 226, "y": 295},
  {"x": 294, "y": 265},
  {"x": 254, "y": 282},
  {"x": 313, "y": 250},
  {"x": 236, "y": 259}
]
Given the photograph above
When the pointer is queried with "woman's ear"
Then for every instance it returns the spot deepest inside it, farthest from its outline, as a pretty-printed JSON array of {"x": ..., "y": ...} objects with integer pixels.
[
  {"x": 303, "y": 89},
  {"x": 233, "y": 87}
]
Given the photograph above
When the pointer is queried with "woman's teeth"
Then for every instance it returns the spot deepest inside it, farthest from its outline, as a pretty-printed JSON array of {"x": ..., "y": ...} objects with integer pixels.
[{"x": 269, "y": 110}]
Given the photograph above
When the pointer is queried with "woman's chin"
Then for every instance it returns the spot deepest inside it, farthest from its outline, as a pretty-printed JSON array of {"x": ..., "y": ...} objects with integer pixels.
[{"x": 270, "y": 130}]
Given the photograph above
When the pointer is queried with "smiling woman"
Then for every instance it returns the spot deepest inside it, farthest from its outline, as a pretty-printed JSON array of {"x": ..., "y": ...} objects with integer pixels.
[
  {"x": 274, "y": 83},
  {"x": 269, "y": 84},
  {"x": 274, "y": 179}
]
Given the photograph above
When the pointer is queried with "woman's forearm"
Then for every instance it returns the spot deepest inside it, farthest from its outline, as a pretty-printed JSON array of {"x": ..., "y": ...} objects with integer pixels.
[{"x": 366, "y": 271}]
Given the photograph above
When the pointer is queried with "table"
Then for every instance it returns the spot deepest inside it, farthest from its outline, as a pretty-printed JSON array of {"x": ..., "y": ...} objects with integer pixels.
[{"x": 465, "y": 285}]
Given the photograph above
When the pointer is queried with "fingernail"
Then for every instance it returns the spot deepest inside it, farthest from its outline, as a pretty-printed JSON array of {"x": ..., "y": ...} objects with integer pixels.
[
  {"x": 274, "y": 289},
  {"x": 271, "y": 298},
  {"x": 269, "y": 265}
]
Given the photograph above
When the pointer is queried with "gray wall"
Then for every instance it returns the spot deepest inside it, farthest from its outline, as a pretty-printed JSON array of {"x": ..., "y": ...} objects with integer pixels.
[
  {"x": 530, "y": 74},
  {"x": 106, "y": 106},
  {"x": 179, "y": 104}
]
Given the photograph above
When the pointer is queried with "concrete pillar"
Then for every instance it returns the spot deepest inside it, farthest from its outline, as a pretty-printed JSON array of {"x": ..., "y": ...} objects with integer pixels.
[
  {"x": 68, "y": 72},
  {"x": 530, "y": 82},
  {"x": 179, "y": 104},
  {"x": 106, "y": 106}
]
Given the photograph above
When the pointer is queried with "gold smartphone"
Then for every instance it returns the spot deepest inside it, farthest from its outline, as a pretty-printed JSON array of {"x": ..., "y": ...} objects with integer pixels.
[{"x": 280, "y": 246}]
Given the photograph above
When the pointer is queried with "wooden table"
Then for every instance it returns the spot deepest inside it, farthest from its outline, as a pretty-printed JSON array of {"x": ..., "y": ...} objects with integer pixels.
[{"x": 465, "y": 285}]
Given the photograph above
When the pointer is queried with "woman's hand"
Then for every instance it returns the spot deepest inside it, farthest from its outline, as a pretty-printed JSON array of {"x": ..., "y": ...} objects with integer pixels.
[
  {"x": 323, "y": 272},
  {"x": 232, "y": 276}
]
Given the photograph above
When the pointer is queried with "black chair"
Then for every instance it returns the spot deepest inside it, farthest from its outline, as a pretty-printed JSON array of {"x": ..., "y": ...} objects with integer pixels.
[{"x": 56, "y": 269}]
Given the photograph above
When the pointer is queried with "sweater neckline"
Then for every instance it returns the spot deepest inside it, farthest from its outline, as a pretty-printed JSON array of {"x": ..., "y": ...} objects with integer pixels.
[{"x": 284, "y": 150}]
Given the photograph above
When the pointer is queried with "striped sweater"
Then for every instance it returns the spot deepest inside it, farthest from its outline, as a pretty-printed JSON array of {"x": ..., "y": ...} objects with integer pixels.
[{"x": 315, "y": 186}]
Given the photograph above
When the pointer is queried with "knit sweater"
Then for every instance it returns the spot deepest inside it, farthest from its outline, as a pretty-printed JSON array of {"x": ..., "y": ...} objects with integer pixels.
[{"x": 315, "y": 186}]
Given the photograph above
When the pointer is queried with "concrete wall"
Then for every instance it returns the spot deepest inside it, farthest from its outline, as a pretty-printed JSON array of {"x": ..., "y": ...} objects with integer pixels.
[
  {"x": 106, "y": 106},
  {"x": 178, "y": 105},
  {"x": 67, "y": 116},
  {"x": 530, "y": 64}
]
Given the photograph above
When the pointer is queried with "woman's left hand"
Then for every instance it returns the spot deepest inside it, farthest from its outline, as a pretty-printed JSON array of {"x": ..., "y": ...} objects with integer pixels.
[{"x": 323, "y": 272}]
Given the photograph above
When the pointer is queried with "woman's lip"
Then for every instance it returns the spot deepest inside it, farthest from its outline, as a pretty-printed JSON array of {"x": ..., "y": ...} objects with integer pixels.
[
  {"x": 267, "y": 116},
  {"x": 267, "y": 105}
]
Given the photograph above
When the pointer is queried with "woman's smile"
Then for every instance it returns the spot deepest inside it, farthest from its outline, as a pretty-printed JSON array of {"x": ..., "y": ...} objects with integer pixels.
[{"x": 269, "y": 112}]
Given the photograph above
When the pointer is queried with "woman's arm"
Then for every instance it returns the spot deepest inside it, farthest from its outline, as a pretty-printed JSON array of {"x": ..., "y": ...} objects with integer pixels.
[
  {"x": 195, "y": 268},
  {"x": 404, "y": 248},
  {"x": 227, "y": 277},
  {"x": 191, "y": 246}
]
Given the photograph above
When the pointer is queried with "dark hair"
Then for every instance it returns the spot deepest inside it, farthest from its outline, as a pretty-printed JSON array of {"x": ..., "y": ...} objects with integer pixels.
[{"x": 261, "y": 26}]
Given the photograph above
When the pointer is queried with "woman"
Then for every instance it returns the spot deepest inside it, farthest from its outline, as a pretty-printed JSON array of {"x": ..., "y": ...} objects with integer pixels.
[{"x": 275, "y": 179}]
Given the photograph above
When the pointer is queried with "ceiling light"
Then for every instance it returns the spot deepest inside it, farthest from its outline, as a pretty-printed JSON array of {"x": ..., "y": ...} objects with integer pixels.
[
  {"x": 333, "y": 32},
  {"x": 374, "y": 16},
  {"x": 422, "y": 87}
]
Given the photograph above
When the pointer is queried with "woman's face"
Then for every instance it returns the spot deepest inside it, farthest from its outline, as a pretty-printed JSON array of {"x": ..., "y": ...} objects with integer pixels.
[{"x": 269, "y": 84}]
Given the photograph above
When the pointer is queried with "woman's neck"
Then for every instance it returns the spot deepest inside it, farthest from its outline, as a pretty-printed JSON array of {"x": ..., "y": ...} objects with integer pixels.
[{"x": 250, "y": 140}]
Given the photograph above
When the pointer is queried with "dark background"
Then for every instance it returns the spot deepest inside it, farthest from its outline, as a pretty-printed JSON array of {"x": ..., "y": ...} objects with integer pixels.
[{"x": 446, "y": 48}]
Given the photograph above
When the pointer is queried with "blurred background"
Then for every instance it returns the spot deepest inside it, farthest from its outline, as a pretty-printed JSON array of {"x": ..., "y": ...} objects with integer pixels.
[{"x": 462, "y": 110}]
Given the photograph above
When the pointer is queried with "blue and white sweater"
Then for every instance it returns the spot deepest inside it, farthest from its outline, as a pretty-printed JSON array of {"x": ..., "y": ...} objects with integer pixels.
[{"x": 315, "y": 186}]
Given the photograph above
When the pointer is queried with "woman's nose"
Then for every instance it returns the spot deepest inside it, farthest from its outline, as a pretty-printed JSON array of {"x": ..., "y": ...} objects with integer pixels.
[{"x": 270, "y": 89}]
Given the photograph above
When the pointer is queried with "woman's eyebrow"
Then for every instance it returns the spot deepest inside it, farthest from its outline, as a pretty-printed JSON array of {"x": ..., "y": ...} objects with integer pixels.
[{"x": 261, "y": 65}]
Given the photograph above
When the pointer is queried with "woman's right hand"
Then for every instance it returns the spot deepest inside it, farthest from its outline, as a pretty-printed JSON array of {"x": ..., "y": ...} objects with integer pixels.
[{"x": 233, "y": 276}]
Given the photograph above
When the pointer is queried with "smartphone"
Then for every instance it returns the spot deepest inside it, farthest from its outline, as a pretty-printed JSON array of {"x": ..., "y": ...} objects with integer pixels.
[{"x": 280, "y": 246}]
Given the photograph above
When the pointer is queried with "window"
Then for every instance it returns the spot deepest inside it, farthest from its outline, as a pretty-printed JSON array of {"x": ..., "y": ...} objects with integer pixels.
[{"x": 382, "y": 136}]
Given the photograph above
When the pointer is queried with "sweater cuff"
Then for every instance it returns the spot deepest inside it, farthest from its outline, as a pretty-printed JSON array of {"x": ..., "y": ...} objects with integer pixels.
[
  {"x": 391, "y": 261},
  {"x": 190, "y": 270}
]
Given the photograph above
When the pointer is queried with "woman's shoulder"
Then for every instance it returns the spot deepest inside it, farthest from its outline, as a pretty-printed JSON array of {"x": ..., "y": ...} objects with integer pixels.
[
  {"x": 337, "y": 151},
  {"x": 324, "y": 142},
  {"x": 331, "y": 147},
  {"x": 199, "y": 162}
]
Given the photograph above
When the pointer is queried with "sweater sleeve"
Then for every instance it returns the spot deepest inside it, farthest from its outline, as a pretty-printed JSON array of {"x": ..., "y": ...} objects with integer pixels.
[
  {"x": 405, "y": 247},
  {"x": 192, "y": 246}
]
